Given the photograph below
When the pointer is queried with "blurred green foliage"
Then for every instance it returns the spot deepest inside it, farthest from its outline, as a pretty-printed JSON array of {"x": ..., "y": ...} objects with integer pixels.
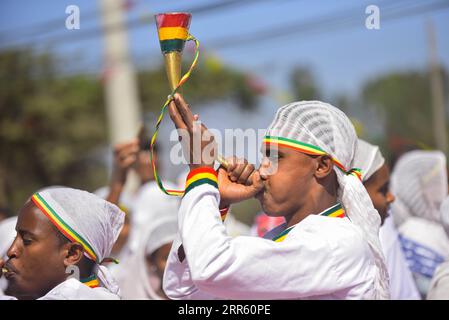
[
  {"x": 53, "y": 128},
  {"x": 403, "y": 101}
]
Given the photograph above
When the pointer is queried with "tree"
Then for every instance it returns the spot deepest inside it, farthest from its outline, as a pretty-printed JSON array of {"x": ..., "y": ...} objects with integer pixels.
[
  {"x": 404, "y": 102},
  {"x": 48, "y": 127},
  {"x": 303, "y": 84},
  {"x": 53, "y": 125}
]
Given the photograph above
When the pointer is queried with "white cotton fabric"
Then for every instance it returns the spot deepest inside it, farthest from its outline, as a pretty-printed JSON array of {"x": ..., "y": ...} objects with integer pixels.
[
  {"x": 439, "y": 286},
  {"x": 339, "y": 263},
  {"x": 126, "y": 198},
  {"x": 72, "y": 289},
  {"x": 402, "y": 284},
  {"x": 368, "y": 158},
  {"x": 444, "y": 214},
  {"x": 96, "y": 220},
  {"x": 419, "y": 183},
  {"x": 324, "y": 126},
  {"x": 234, "y": 227},
  {"x": 153, "y": 224},
  {"x": 7, "y": 235},
  {"x": 347, "y": 259}
]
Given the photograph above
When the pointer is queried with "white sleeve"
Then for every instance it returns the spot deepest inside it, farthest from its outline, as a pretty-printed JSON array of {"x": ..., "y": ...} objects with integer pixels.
[
  {"x": 303, "y": 265},
  {"x": 177, "y": 281}
]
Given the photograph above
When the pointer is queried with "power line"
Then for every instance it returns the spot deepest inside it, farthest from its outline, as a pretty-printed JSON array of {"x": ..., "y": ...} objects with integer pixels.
[
  {"x": 135, "y": 23},
  {"x": 327, "y": 23}
]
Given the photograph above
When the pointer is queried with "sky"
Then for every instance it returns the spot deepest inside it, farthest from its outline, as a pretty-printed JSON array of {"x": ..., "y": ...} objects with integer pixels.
[{"x": 342, "y": 58}]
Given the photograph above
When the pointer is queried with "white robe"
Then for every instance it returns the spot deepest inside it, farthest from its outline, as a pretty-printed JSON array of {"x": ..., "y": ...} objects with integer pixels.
[
  {"x": 402, "y": 284},
  {"x": 72, "y": 289},
  {"x": 321, "y": 258},
  {"x": 439, "y": 287},
  {"x": 433, "y": 249}
]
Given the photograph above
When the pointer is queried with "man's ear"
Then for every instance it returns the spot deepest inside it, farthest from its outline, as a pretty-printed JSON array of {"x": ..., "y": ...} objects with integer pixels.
[
  {"x": 73, "y": 253},
  {"x": 324, "y": 166}
]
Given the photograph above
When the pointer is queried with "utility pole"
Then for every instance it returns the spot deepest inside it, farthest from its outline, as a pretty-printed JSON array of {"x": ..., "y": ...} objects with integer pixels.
[
  {"x": 122, "y": 103},
  {"x": 436, "y": 84}
]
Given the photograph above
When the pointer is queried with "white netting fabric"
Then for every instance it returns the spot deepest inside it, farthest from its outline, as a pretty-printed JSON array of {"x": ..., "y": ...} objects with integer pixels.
[
  {"x": 368, "y": 158},
  {"x": 419, "y": 183},
  {"x": 324, "y": 126}
]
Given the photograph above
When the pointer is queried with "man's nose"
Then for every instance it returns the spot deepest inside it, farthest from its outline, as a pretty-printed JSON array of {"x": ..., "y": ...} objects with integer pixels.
[
  {"x": 13, "y": 251},
  {"x": 390, "y": 197}
]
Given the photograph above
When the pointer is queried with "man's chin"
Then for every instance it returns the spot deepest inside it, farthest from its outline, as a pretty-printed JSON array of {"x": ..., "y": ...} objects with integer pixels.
[
  {"x": 15, "y": 290},
  {"x": 267, "y": 207}
]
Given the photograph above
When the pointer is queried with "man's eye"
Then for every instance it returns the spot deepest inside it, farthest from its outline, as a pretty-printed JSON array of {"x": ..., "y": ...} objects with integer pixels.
[
  {"x": 27, "y": 242},
  {"x": 384, "y": 190}
]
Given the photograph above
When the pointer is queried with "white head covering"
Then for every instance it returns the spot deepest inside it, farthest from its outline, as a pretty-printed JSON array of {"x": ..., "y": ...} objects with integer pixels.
[
  {"x": 419, "y": 183},
  {"x": 157, "y": 226},
  {"x": 7, "y": 234},
  {"x": 368, "y": 158},
  {"x": 87, "y": 219},
  {"x": 322, "y": 125},
  {"x": 126, "y": 201},
  {"x": 136, "y": 279},
  {"x": 445, "y": 214}
]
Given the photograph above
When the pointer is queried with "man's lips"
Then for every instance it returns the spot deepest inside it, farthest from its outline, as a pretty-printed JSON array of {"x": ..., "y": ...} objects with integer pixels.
[{"x": 11, "y": 270}]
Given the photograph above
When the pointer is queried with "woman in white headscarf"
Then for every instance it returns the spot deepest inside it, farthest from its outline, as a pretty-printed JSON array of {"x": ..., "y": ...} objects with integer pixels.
[
  {"x": 63, "y": 236},
  {"x": 376, "y": 178},
  {"x": 439, "y": 286},
  {"x": 419, "y": 182},
  {"x": 329, "y": 247}
]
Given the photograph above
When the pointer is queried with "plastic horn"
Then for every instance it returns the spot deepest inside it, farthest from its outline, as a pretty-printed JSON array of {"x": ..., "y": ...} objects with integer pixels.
[{"x": 173, "y": 31}]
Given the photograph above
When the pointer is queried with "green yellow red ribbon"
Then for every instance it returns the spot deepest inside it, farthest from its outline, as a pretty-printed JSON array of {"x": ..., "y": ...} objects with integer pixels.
[{"x": 184, "y": 78}]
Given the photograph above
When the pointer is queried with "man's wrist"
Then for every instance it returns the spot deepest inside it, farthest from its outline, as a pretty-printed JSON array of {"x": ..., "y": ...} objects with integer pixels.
[{"x": 199, "y": 176}]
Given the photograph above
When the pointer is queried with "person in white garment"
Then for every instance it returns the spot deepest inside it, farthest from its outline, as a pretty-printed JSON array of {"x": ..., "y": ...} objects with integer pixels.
[
  {"x": 139, "y": 272},
  {"x": 439, "y": 286},
  {"x": 234, "y": 227},
  {"x": 140, "y": 277},
  {"x": 7, "y": 235},
  {"x": 376, "y": 179},
  {"x": 63, "y": 236},
  {"x": 328, "y": 248},
  {"x": 419, "y": 183}
]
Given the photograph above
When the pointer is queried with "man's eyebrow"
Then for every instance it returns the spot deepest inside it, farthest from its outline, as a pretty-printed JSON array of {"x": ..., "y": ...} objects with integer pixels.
[{"x": 24, "y": 232}]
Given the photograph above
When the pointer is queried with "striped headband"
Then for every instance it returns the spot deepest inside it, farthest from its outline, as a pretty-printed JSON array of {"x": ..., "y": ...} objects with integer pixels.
[
  {"x": 311, "y": 150},
  {"x": 62, "y": 226}
]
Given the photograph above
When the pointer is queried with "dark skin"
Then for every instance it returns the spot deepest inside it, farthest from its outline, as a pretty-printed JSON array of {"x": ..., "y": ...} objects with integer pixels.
[
  {"x": 378, "y": 189},
  {"x": 125, "y": 157},
  {"x": 301, "y": 185},
  {"x": 143, "y": 166},
  {"x": 39, "y": 256}
]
